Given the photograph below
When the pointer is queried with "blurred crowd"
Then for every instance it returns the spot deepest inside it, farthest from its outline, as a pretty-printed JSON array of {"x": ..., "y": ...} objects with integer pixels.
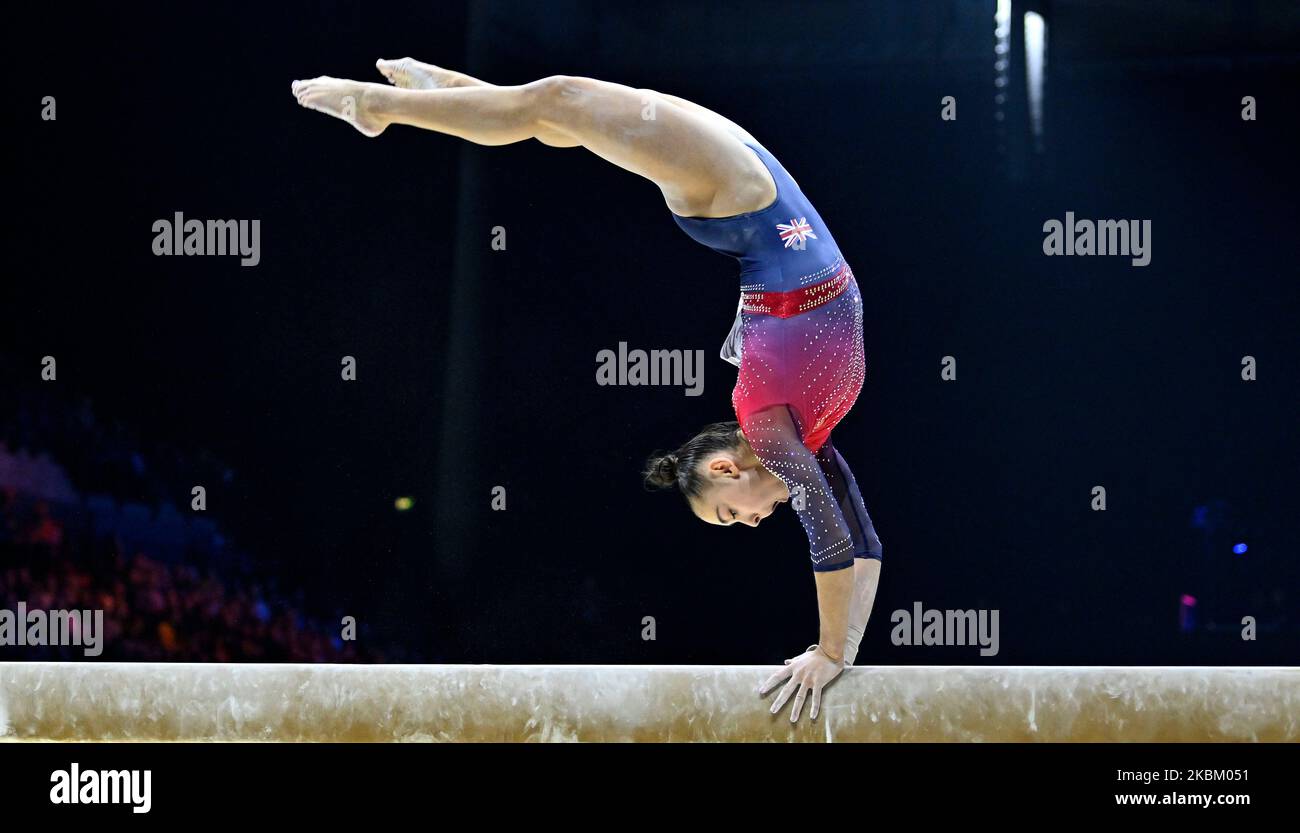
[
  {"x": 153, "y": 610},
  {"x": 212, "y": 606}
]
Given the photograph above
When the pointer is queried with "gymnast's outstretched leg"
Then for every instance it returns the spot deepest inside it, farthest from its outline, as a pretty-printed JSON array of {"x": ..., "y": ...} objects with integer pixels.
[
  {"x": 410, "y": 74},
  {"x": 702, "y": 167}
]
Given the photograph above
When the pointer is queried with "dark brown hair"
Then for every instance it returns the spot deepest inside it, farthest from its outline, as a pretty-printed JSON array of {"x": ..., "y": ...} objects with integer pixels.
[{"x": 680, "y": 468}]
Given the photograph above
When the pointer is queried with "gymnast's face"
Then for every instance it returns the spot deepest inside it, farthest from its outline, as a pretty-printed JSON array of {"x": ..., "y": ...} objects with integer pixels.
[{"x": 739, "y": 491}]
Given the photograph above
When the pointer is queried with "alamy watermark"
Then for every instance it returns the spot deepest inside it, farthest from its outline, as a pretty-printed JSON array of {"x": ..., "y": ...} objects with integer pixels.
[
  {"x": 682, "y": 368},
  {"x": 1128, "y": 238},
  {"x": 179, "y": 236},
  {"x": 946, "y": 627},
  {"x": 92, "y": 786},
  {"x": 38, "y": 627}
]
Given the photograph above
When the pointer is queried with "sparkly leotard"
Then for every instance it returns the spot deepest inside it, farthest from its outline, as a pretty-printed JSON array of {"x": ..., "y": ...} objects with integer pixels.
[{"x": 798, "y": 340}]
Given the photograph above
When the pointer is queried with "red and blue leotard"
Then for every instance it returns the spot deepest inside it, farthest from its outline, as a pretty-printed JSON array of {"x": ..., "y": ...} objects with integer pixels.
[{"x": 798, "y": 334}]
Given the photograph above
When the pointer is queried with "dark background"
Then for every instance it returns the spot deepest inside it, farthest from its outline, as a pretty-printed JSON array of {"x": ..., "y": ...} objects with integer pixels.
[{"x": 477, "y": 368}]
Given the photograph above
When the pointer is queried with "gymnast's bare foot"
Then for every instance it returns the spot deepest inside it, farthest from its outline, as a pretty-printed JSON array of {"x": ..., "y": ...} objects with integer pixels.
[
  {"x": 351, "y": 101},
  {"x": 410, "y": 74}
]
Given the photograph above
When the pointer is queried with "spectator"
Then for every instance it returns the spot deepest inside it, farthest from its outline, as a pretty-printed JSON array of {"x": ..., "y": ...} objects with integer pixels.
[{"x": 45, "y": 530}]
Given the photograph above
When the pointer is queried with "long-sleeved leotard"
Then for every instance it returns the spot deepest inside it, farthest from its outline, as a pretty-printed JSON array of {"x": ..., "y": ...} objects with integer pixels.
[{"x": 798, "y": 338}]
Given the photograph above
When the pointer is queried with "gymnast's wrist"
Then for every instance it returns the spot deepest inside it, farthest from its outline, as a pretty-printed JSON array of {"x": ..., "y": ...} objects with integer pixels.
[
  {"x": 851, "y": 643},
  {"x": 829, "y": 656}
]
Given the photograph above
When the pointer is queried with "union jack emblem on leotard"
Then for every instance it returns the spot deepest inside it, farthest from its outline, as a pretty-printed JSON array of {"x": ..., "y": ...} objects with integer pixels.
[{"x": 797, "y": 230}]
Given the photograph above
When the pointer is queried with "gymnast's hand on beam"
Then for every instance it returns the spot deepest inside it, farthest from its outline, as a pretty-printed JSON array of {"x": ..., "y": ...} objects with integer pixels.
[{"x": 810, "y": 671}]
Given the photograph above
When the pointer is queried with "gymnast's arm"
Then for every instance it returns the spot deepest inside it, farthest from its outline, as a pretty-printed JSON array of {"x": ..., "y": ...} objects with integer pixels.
[
  {"x": 834, "y": 599},
  {"x": 775, "y": 440},
  {"x": 867, "y": 549},
  {"x": 866, "y": 577}
]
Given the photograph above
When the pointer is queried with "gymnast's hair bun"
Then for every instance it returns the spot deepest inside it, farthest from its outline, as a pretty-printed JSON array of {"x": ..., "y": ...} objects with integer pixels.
[{"x": 661, "y": 471}]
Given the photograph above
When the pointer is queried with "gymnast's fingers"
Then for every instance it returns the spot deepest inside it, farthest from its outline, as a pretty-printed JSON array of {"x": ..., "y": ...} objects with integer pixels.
[
  {"x": 781, "y": 674},
  {"x": 816, "y": 703},
  {"x": 798, "y": 702},
  {"x": 786, "y": 691}
]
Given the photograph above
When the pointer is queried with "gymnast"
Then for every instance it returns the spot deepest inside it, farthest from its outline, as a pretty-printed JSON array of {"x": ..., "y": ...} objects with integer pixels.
[{"x": 797, "y": 338}]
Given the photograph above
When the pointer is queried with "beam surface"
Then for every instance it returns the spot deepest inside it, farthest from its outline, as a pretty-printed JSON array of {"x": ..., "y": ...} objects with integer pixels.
[{"x": 264, "y": 702}]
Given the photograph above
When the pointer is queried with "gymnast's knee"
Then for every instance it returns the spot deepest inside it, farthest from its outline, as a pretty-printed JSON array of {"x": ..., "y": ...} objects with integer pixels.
[{"x": 549, "y": 96}]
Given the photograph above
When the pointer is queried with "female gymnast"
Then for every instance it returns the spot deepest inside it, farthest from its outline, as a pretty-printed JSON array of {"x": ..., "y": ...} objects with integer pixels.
[{"x": 798, "y": 332}]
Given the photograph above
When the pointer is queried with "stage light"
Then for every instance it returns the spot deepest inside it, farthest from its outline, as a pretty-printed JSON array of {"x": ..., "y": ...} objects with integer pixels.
[
  {"x": 403, "y": 503},
  {"x": 1240, "y": 549},
  {"x": 1035, "y": 67}
]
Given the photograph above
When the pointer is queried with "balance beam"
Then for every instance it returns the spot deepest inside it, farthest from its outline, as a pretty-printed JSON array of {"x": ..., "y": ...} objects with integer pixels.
[{"x": 81, "y": 701}]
